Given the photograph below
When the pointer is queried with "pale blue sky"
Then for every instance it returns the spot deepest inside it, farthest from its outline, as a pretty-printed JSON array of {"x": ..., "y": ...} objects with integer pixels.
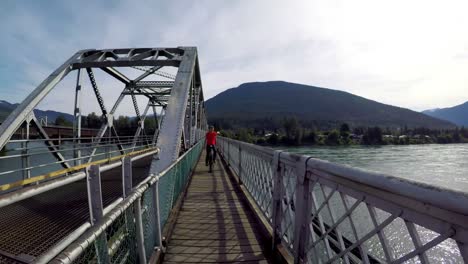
[{"x": 411, "y": 54}]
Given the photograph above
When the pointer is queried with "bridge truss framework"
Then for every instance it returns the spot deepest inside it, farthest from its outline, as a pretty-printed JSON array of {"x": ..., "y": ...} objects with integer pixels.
[{"x": 179, "y": 99}]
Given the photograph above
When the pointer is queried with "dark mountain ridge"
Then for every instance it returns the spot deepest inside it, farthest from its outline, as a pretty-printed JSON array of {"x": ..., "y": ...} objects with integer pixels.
[
  {"x": 6, "y": 108},
  {"x": 457, "y": 114},
  {"x": 257, "y": 103}
]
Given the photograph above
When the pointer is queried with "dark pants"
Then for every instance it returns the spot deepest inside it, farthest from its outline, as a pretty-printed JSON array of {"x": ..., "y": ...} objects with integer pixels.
[{"x": 208, "y": 150}]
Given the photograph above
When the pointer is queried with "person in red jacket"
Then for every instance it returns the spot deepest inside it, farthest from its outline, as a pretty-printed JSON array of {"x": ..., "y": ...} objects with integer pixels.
[{"x": 210, "y": 142}]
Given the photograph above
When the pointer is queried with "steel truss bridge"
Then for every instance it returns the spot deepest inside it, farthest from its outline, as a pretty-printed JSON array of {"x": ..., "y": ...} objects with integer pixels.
[{"x": 148, "y": 197}]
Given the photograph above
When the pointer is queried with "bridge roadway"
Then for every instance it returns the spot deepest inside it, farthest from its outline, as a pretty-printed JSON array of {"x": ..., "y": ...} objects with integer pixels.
[
  {"x": 30, "y": 227},
  {"x": 215, "y": 223}
]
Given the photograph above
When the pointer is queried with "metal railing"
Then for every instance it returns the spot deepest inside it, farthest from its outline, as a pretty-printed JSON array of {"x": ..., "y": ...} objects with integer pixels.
[
  {"x": 329, "y": 213},
  {"x": 23, "y": 162},
  {"x": 129, "y": 233}
]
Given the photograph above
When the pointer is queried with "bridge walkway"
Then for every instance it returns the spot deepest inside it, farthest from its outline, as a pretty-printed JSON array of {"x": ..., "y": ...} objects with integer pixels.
[{"x": 215, "y": 223}]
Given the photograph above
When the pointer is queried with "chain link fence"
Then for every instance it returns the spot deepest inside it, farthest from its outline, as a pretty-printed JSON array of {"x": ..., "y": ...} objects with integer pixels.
[{"x": 117, "y": 238}]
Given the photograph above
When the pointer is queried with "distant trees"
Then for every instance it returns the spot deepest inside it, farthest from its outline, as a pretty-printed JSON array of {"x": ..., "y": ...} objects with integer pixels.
[
  {"x": 333, "y": 138},
  {"x": 273, "y": 139},
  {"x": 62, "y": 121},
  {"x": 91, "y": 121},
  {"x": 294, "y": 131},
  {"x": 373, "y": 136},
  {"x": 311, "y": 137},
  {"x": 345, "y": 133}
]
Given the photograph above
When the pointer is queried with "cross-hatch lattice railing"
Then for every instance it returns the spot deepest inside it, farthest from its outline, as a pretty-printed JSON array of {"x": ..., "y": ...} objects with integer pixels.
[
  {"x": 129, "y": 232},
  {"x": 328, "y": 213}
]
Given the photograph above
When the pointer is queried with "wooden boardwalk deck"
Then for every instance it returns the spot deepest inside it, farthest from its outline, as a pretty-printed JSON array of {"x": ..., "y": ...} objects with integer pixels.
[{"x": 214, "y": 224}]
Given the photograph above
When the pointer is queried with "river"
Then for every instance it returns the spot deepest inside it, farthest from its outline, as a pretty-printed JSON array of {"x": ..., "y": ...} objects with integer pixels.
[{"x": 435, "y": 164}]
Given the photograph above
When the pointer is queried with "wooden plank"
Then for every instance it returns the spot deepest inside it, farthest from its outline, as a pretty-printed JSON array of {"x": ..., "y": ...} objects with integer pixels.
[
  {"x": 215, "y": 258},
  {"x": 225, "y": 236},
  {"x": 214, "y": 221},
  {"x": 217, "y": 210},
  {"x": 214, "y": 243},
  {"x": 213, "y": 250},
  {"x": 211, "y": 226},
  {"x": 220, "y": 217},
  {"x": 214, "y": 205},
  {"x": 214, "y": 231},
  {"x": 243, "y": 262}
]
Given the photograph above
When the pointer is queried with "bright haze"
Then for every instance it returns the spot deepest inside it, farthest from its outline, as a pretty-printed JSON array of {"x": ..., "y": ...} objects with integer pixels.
[{"x": 412, "y": 54}]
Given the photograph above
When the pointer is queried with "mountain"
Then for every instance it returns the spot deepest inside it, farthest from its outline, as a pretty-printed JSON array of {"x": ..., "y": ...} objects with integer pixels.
[
  {"x": 259, "y": 104},
  {"x": 457, "y": 114},
  {"x": 6, "y": 108}
]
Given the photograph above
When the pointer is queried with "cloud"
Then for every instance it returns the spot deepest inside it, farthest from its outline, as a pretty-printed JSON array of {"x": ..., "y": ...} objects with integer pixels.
[{"x": 397, "y": 52}]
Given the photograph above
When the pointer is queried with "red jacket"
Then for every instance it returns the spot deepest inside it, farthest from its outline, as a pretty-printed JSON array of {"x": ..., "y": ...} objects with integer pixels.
[{"x": 211, "y": 138}]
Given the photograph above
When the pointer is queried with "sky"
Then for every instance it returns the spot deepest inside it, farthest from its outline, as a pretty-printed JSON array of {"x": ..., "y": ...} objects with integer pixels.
[{"x": 412, "y": 54}]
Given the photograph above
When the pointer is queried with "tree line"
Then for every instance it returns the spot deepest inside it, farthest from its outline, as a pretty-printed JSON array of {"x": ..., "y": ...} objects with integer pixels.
[
  {"x": 123, "y": 124},
  {"x": 293, "y": 133}
]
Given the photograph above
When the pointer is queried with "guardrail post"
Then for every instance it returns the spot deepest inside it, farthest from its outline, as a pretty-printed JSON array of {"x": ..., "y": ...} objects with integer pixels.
[
  {"x": 240, "y": 164},
  {"x": 139, "y": 232},
  {"x": 157, "y": 215},
  {"x": 96, "y": 210},
  {"x": 227, "y": 153},
  {"x": 127, "y": 183},
  {"x": 302, "y": 211},
  {"x": 278, "y": 193}
]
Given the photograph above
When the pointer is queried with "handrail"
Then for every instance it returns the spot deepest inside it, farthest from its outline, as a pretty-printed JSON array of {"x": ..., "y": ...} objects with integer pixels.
[
  {"x": 323, "y": 211},
  {"x": 27, "y": 192},
  {"x": 149, "y": 193},
  {"x": 33, "y": 164},
  {"x": 53, "y": 174}
]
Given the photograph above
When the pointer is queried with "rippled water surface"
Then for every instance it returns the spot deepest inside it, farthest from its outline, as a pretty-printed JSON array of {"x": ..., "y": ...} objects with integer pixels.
[{"x": 441, "y": 165}]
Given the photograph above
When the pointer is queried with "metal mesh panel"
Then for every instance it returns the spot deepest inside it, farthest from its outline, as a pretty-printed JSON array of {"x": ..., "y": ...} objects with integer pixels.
[
  {"x": 166, "y": 190},
  {"x": 351, "y": 227},
  {"x": 116, "y": 244},
  {"x": 88, "y": 256},
  {"x": 172, "y": 182},
  {"x": 121, "y": 237},
  {"x": 149, "y": 221},
  {"x": 288, "y": 210},
  {"x": 256, "y": 173}
]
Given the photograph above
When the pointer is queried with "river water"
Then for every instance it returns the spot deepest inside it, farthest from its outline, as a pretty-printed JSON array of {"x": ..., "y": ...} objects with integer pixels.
[{"x": 435, "y": 164}]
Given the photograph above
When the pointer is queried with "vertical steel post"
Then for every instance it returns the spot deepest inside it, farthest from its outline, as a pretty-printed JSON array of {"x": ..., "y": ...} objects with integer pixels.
[
  {"x": 96, "y": 210},
  {"x": 195, "y": 117},
  {"x": 190, "y": 117},
  {"x": 127, "y": 183},
  {"x": 139, "y": 232},
  {"x": 227, "y": 153},
  {"x": 109, "y": 144},
  {"x": 157, "y": 213},
  {"x": 302, "y": 211},
  {"x": 278, "y": 193},
  {"x": 25, "y": 153},
  {"x": 77, "y": 119},
  {"x": 240, "y": 164},
  {"x": 127, "y": 186},
  {"x": 156, "y": 128}
]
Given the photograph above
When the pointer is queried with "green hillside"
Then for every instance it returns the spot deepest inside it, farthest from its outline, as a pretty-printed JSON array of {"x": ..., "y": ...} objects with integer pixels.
[{"x": 266, "y": 104}]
